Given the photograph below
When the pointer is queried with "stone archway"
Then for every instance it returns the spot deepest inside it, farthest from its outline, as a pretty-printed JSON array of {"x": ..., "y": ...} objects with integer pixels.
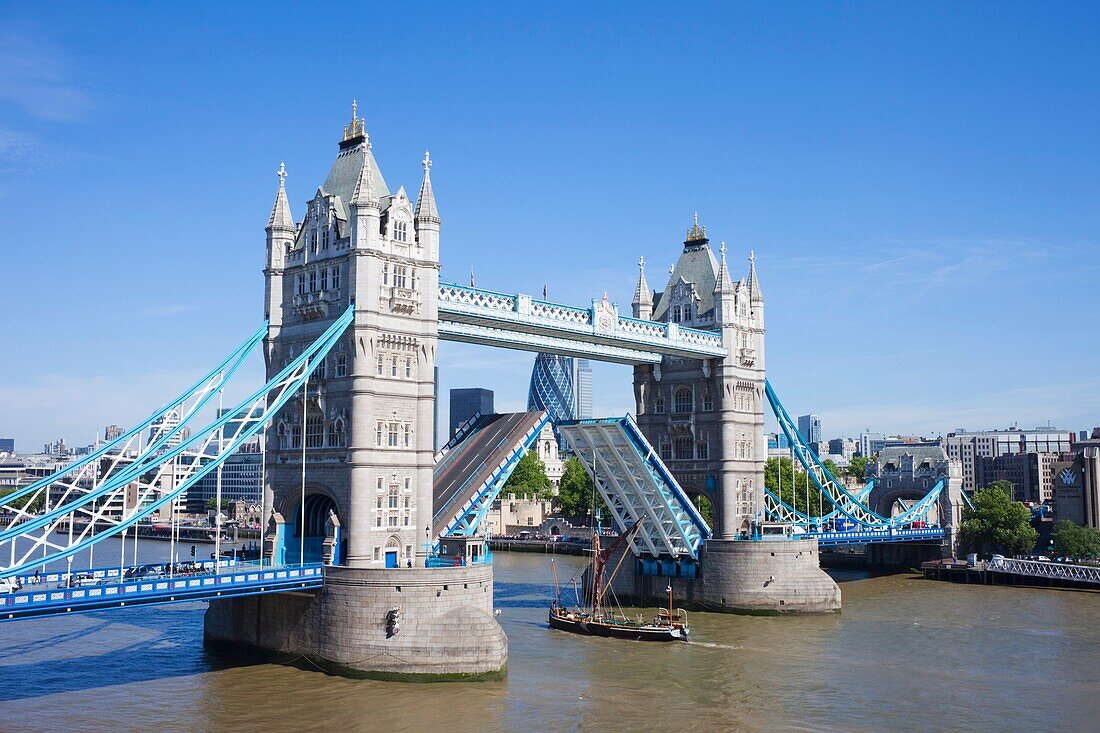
[{"x": 318, "y": 506}]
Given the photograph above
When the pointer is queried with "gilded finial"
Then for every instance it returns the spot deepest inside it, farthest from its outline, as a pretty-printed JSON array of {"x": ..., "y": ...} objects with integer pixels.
[
  {"x": 696, "y": 232},
  {"x": 356, "y": 127}
]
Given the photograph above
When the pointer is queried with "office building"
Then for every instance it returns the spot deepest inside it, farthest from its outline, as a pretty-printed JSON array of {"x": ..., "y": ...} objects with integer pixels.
[
  {"x": 552, "y": 387},
  {"x": 112, "y": 432},
  {"x": 584, "y": 389},
  {"x": 809, "y": 426},
  {"x": 871, "y": 444},
  {"x": 467, "y": 402},
  {"x": 242, "y": 479},
  {"x": 1031, "y": 474},
  {"x": 7, "y": 445},
  {"x": 1077, "y": 483},
  {"x": 969, "y": 447}
]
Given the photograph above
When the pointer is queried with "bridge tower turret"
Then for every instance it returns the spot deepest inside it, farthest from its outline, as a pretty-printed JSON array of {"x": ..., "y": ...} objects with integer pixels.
[{"x": 280, "y": 237}]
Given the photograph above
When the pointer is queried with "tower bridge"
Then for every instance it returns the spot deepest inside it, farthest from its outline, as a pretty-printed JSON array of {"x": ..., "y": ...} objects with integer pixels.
[{"x": 360, "y": 505}]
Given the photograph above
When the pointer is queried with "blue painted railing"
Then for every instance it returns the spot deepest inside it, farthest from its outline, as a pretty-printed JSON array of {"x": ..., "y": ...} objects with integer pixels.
[{"x": 244, "y": 580}]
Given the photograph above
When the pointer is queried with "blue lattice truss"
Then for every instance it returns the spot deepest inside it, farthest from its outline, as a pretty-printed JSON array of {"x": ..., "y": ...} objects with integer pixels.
[
  {"x": 636, "y": 485},
  {"x": 849, "y": 519},
  {"x": 31, "y": 540}
]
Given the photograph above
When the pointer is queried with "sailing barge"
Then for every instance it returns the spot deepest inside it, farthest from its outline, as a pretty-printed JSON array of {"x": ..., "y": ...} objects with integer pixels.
[{"x": 669, "y": 624}]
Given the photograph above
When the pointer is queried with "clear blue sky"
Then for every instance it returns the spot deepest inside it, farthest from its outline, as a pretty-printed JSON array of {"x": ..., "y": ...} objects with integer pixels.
[{"x": 919, "y": 181}]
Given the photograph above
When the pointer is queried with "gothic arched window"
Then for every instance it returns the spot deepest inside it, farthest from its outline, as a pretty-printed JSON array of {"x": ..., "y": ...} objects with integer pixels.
[
  {"x": 683, "y": 400},
  {"x": 675, "y": 317}
]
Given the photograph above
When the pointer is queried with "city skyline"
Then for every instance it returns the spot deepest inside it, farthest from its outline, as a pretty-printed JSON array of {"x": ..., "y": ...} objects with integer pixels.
[{"x": 909, "y": 234}]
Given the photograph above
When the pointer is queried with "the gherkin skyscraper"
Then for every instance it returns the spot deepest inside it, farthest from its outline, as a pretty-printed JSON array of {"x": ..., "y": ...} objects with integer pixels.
[{"x": 552, "y": 387}]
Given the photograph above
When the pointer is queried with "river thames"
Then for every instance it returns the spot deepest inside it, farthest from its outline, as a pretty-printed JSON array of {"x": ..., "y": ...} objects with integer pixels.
[{"x": 905, "y": 654}]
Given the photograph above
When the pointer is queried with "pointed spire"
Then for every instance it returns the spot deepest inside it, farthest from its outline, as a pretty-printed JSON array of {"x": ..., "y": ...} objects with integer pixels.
[
  {"x": 723, "y": 283},
  {"x": 280, "y": 213},
  {"x": 642, "y": 305},
  {"x": 364, "y": 194},
  {"x": 642, "y": 294},
  {"x": 754, "y": 282},
  {"x": 425, "y": 202}
]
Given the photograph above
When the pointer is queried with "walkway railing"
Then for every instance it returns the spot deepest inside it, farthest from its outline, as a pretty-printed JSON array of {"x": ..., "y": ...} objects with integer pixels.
[
  {"x": 243, "y": 580},
  {"x": 1040, "y": 569}
]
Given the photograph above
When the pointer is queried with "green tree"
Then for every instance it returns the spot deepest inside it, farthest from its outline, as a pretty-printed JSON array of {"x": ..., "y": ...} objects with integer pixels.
[
  {"x": 212, "y": 503},
  {"x": 528, "y": 479},
  {"x": 575, "y": 490},
  {"x": 1071, "y": 540},
  {"x": 997, "y": 523},
  {"x": 831, "y": 467},
  {"x": 706, "y": 508},
  {"x": 857, "y": 467},
  {"x": 795, "y": 487},
  {"x": 29, "y": 504}
]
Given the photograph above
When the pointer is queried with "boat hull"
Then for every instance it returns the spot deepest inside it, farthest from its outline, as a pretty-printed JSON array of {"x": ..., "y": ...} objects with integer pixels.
[{"x": 636, "y": 632}]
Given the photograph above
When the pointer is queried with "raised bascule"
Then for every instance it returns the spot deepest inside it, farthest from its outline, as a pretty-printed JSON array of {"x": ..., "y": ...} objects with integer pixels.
[{"x": 374, "y": 559}]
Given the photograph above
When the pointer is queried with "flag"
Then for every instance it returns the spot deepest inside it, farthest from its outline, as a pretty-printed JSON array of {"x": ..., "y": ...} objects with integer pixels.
[
  {"x": 472, "y": 278},
  {"x": 544, "y": 291}
]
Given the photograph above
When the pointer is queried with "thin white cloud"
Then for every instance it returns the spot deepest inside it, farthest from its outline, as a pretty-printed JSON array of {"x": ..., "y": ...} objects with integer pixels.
[{"x": 39, "y": 76}]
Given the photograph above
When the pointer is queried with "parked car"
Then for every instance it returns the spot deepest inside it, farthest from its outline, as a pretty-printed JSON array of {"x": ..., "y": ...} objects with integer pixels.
[
  {"x": 143, "y": 572},
  {"x": 80, "y": 580},
  {"x": 9, "y": 585}
]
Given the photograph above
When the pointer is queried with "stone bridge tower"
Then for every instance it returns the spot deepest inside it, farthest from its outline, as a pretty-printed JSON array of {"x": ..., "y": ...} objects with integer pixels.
[
  {"x": 360, "y": 439},
  {"x": 706, "y": 417},
  {"x": 364, "y": 428}
]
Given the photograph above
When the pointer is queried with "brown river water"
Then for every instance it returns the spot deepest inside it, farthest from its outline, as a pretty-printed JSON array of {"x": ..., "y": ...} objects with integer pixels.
[{"x": 905, "y": 654}]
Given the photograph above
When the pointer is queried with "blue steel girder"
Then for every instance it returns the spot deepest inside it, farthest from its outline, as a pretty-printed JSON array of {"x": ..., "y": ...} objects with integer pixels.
[
  {"x": 239, "y": 581},
  {"x": 780, "y": 511},
  {"x": 257, "y": 410},
  {"x": 636, "y": 485},
  {"x": 874, "y": 536},
  {"x": 829, "y": 486},
  {"x": 519, "y": 321}
]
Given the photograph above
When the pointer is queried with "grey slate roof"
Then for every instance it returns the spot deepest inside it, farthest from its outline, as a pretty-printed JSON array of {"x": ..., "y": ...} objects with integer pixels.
[
  {"x": 920, "y": 453},
  {"x": 697, "y": 265},
  {"x": 344, "y": 174}
]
